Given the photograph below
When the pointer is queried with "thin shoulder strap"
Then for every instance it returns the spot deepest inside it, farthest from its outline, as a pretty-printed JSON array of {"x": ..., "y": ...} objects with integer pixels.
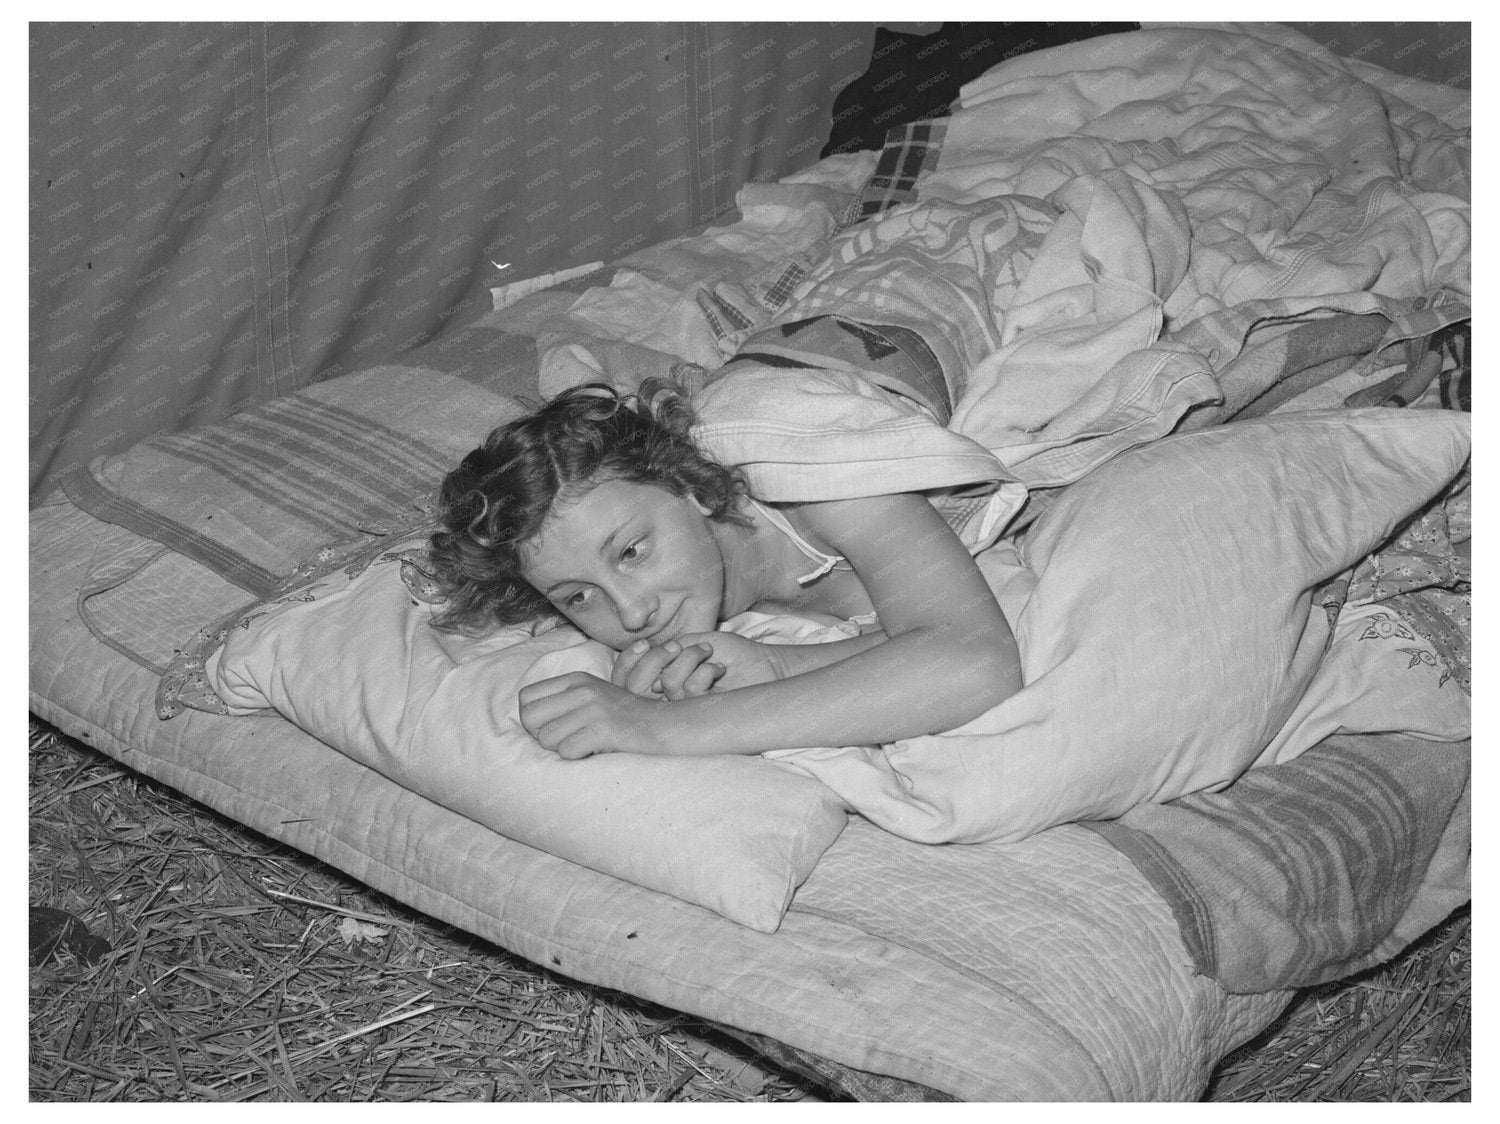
[{"x": 825, "y": 562}]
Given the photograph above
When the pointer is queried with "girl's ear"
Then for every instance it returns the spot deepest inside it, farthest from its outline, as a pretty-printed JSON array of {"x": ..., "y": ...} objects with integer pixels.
[{"x": 698, "y": 505}]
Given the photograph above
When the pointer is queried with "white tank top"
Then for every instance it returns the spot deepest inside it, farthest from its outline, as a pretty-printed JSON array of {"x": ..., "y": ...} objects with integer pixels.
[{"x": 824, "y": 562}]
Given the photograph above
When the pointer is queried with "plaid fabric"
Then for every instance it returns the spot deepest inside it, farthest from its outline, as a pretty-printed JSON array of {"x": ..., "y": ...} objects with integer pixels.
[
  {"x": 308, "y": 470},
  {"x": 724, "y": 318},
  {"x": 733, "y": 308},
  {"x": 1304, "y": 872},
  {"x": 780, "y": 290},
  {"x": 909, "y": 150},
  {"x": 252, "y": 497}
]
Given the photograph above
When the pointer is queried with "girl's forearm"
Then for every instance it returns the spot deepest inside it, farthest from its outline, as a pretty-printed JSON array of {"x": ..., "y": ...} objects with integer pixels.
[
  {"x": 920, "y": 682},
  {"x": 799, "y": 659}
]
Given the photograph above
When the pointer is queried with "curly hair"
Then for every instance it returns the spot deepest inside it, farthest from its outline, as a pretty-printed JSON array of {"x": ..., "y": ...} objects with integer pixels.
[{"x": 500, "y": 494}]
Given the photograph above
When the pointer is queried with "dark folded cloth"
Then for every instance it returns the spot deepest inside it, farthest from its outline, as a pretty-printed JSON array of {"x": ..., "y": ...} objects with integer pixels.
[
  {"x": 891, "y": 356},
  {"x": 912, "y": 76},
  {"x": 1308, "y": 871}
]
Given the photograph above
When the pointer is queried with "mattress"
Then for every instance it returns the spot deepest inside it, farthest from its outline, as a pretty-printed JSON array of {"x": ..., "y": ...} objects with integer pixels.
[{"x": 914, "y": 943}]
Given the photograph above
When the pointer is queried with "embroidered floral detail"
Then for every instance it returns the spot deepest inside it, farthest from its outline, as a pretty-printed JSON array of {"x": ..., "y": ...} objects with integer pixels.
[
  {"x": 1421, "y": 579},
  {"x": 1383, "y": 626},
  {"x": 185, "y": 684},
  {"x": 418, "y": 581},
  {"x": 1423, "y": 656}
]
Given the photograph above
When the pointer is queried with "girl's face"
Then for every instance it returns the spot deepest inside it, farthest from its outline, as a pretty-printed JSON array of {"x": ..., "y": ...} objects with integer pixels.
[{"x": 626, "y": 561}]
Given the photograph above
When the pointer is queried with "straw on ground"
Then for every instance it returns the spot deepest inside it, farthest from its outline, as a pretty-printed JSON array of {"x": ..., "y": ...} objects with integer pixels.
[{"x": 240, "y": 970}]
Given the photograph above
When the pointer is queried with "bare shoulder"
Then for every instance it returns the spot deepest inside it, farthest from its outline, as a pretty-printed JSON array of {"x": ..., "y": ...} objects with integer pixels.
[
  {"x": 893, "y": 518},
  {"x": 915, "y": 569}
]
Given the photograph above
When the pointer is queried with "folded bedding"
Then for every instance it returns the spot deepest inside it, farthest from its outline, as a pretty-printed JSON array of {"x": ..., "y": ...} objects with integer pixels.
[{"x": 1243, "y": 622}]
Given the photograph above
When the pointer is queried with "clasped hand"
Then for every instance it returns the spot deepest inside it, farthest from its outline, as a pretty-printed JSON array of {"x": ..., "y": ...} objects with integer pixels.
[{"x": 578, "y": 714}]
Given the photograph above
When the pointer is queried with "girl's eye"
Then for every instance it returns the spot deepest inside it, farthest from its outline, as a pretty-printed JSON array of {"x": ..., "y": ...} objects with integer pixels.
[
  {"x": 578, "y": 600},
  {"x": 633, "y": 551}
]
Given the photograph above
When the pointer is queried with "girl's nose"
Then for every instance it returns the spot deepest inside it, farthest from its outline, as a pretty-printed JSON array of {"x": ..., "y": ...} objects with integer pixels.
[{"x": 637, "y": 608}]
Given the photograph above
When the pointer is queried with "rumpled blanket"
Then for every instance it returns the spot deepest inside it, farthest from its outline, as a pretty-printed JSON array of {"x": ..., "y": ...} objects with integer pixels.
[
  {"x": 1098, "y": 247},
  {"x": 1284, "y": 223},
  {"x": 1043, "y": 315}
]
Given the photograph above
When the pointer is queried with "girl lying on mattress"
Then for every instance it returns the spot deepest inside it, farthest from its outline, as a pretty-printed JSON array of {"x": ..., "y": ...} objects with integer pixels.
[{"x": 600, "y": 510}]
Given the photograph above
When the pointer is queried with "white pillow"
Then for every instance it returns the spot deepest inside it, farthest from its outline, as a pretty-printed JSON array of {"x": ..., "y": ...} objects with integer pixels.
[
  {"x": 1170, "y": 632},
  {"x": 350, "y": 658}
]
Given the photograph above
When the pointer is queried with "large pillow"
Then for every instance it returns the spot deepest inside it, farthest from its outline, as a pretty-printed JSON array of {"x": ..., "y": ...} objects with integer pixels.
[
  {"x": 1169, "y": 636},
  {"x": 349, "y": 656}
]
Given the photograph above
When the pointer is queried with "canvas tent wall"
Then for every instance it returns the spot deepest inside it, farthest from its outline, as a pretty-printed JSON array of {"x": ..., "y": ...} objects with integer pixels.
[{"x": 222, "y": 213}]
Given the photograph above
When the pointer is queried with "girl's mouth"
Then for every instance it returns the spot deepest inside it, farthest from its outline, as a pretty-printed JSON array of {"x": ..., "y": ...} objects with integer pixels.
[{"x": 667, "y": 631}]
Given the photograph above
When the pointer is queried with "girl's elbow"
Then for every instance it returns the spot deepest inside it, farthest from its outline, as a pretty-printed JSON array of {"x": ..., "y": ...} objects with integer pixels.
[{"x": 996, "y": 671}]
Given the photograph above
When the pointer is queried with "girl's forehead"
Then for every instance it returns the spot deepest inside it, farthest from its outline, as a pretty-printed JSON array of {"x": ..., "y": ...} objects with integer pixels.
[
  {"x": 606, "y": 500},
  {"x": 581, "y": 522}
]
